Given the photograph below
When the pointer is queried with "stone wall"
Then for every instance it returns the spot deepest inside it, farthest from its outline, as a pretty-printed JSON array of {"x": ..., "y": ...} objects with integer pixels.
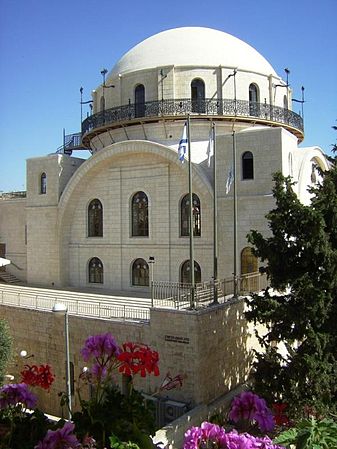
[{"x": 210, "y": 347}]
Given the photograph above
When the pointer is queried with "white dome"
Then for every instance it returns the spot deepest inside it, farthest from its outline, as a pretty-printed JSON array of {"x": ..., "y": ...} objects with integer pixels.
[{"x": 193, "y": 46}]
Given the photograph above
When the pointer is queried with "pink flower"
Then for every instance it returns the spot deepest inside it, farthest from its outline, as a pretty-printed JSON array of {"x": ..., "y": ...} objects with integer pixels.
[{"x": 60, "y": 438}]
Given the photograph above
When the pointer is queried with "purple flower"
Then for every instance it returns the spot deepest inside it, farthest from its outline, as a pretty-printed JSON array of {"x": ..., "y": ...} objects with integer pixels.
[
  {"x": 100, "y": 346},
  {"x": 60, "y": 439},
  {"x": 243, "y": 406},
  {"x": 99, "y": 371},
  {"x": 200, "y": 437},
  {"x": 192, "y": 438},
  {"x": 207, "y": 432},
  {"x": 263, "y": 416},
  {"x": 12, "y": 394},
  {"x": 249, "y": 406}
]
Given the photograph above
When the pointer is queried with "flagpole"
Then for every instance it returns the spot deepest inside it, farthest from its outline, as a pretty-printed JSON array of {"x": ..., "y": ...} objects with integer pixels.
[
  {"x": 235, "y": 207},
  {"x": 215, "y": 219},
  {"x": 190, "y": 192}
]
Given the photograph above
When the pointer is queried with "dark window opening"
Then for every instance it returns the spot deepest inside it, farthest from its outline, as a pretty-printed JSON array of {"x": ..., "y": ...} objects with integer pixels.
[
  {"x": 95, "y": 271},
  {"x": 140, "y": 101},
  {"x": 140, "y": 273},
  {"x": 140, "y": 222},
  {"x": 247, "y": 165},
  {"x": 185, "y": 276},
  {"x": 185, "y": 216},
  {"x": 198, "y": 96},
  {"x": 95, "y": 219}
]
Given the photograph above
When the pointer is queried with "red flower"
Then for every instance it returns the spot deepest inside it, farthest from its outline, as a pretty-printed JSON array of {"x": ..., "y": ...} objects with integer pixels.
[
  {"x": 169, "y": 383},
  {"x": 280, "y": 418},
  {"x": 37, "y": 376},
  {"x": 138, "y": 358}
]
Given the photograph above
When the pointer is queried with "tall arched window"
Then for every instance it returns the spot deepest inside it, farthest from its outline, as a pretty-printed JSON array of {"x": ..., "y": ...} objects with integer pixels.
[
  {"x": 140, "y": 273},
  {"x": 198, "y": 95},
  {"x": 185, "y": 273},
  {"x": 185, "y": 216},
  {"x": 247, "y": 165},
  {"x": 285, "y": 102},
  {"x": 102, "y": 101},
  {"x": 140, "y": 215},
  {"x": 95, "y": 218},
  {"x": 254, "y": 100},
  {"x": 249, "y": 262},
  {"x": 95, "y": 271},
  {"x": 43, "y": 184},
  {"x": 140, "y": 101}
]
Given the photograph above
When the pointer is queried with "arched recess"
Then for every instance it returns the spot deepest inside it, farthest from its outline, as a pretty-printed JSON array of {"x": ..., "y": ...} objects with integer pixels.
[
  {"x": 185, "y": 272},
  {"x": 198, "y": 96},
  {"x": 140, "y": 273},
  {"x": 140, "y": 100},
  {"x": 249, "y": 262},
  {"x": 185, "y": 216},
  {"x": 78, "y": 188},
  {"x": 139, "y": 215},
  {"x": 247, "y": 163},
  {"x": 43, "y": 183},
  {"x": 254, "y": 100},
  {"x": 249, "y": 271},
  {"x": 95, "y": 218},
  {"x": 95, "y": 271}
]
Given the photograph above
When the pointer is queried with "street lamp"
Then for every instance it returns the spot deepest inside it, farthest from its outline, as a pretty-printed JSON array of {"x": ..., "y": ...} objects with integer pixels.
[
  {"x": 151, "y": 262},
  {"x": 62, "y": 309}
]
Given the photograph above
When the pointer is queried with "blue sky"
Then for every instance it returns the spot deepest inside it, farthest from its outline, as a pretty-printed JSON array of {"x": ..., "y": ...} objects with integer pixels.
[{"x": 50, "y": 49}]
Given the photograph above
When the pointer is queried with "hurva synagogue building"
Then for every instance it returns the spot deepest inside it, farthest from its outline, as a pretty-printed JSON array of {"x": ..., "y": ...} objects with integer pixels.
[{"x": 96, "y": 223}]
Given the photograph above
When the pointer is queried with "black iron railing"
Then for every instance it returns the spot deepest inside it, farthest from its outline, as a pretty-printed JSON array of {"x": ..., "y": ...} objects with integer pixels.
[{"x": 181, "y": 107}]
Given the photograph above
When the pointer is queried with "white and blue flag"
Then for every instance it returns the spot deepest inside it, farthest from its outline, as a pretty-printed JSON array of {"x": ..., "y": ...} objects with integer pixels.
[
  {"x": 230, "y": 179},
  {"x": 210, "y": 148},
  {"x": 182, "y": 148}
]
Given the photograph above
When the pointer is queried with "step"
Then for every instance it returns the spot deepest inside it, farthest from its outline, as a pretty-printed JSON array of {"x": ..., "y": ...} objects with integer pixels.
[{"x": 9, "y": 278}]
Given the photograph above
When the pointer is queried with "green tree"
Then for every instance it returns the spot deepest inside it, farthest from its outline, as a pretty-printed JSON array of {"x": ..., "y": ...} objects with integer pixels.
[
  {"x": 5, "y": 348},
  {"x": 301, "y": 263}
]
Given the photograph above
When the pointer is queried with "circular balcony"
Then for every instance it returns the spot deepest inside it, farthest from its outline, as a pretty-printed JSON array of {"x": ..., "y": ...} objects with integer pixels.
[{"x": 219, "y": 110}]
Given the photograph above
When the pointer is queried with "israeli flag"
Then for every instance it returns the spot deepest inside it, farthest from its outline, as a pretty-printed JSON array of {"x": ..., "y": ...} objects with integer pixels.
[
  {"x": 182, "y": 148},
  {"x": 230, "y": 179},
  {"x": 210, "y": 148}
]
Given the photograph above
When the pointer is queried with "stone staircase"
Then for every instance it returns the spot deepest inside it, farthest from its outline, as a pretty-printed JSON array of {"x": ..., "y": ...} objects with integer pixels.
[{"x": 9, "y": 278}]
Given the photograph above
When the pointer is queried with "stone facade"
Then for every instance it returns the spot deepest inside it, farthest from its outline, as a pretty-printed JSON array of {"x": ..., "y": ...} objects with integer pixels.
[{"x": 188, "y": 343}]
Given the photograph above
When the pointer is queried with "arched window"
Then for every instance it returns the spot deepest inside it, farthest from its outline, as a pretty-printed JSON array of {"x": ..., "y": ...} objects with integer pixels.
[
  {"x": 247, "y": 165},
  {"x": 249, "y": 262},
  {"x": 249, "y": 265},
  {"x": 140, "y": 273},
  {"x": 185, "y": 216},
  {"x": 140, "y": 215},
  {"x": 43, "y": 184},
  {"x": 95, "y": 271},
  {"x": 140, "y": 101},
  {"x": 185, "y": 273},
  {"x": 198, "y": 95},
  {"x": 95, "y": 218},
  {"x": 102, "y": 101},
  {"x": 254, "y": 100},
  {"x": 285, "y": 102}
]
